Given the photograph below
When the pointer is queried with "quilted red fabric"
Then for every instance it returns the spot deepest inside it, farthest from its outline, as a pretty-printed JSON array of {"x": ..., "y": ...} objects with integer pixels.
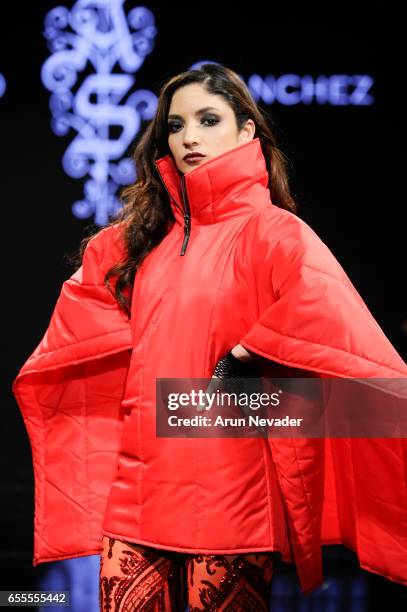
[{"x": 250, "y": 273}]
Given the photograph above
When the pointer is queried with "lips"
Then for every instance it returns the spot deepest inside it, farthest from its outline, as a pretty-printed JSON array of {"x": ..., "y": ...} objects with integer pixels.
[{"x": 193, "y": 156}]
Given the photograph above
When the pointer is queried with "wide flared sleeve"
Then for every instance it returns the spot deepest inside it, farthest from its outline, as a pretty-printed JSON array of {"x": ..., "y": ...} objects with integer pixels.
[
  {"x": 69, "y": 393},
  {"x": 311, "y": 317}
]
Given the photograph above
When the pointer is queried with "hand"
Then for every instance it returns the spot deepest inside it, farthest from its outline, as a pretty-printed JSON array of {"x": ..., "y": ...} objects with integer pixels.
[{"x": 230, "y": 366}]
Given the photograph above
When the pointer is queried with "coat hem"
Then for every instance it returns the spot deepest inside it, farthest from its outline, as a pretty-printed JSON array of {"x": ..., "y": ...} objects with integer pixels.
[
  {"x": 364, "y": 565},
  {"x": 94, "y": 551},
  {"x": 195, "y": 551}
]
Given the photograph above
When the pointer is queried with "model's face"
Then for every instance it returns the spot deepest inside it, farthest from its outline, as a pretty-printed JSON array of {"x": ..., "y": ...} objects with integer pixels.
[{"x": 192, "y": 129}]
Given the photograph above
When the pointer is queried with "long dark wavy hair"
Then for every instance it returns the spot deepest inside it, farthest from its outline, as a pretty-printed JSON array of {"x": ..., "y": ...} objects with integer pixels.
[{"x": 146, "y": 212}]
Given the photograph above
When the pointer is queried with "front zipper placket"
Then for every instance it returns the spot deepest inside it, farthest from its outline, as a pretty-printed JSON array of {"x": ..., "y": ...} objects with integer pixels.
[{"x": 186, "y": 210}]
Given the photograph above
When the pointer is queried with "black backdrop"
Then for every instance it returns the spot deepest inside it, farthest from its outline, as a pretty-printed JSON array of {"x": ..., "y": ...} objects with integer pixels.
[{"x": 345, "y": 173}]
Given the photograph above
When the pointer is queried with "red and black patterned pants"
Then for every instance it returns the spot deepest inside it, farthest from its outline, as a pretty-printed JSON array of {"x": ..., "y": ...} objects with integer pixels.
[{"x": 135, "y": 577}]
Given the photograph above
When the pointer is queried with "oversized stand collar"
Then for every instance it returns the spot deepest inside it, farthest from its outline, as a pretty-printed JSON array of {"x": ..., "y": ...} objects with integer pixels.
[{"x": 208, "y": 193}]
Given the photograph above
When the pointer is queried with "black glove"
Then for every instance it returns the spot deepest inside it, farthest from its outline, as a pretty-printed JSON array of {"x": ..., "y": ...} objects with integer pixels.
[{"x": 232, "y": 367}]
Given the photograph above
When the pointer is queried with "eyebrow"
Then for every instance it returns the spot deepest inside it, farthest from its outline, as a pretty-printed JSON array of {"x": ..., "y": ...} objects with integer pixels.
[{"x": 198, "y": 112}]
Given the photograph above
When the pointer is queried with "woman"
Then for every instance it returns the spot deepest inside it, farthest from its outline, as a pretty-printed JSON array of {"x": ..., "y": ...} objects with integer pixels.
[{"x": 215, "y": 275}]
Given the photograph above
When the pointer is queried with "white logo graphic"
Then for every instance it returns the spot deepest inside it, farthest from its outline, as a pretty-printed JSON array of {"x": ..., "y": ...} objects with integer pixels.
[{"x": 93, "y": 40}]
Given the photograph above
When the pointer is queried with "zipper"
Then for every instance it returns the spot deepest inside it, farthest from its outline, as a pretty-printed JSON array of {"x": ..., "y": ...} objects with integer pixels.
[
  {"x": 186, "y": 210},
  {"x": 187, "y": 217}
]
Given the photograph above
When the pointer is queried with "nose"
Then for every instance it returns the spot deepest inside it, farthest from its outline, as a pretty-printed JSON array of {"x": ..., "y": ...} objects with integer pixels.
[{"x": 190, "y": 135}]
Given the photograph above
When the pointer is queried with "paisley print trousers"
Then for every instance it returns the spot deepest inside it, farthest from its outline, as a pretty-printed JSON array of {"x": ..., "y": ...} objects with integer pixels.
[{"x": 135, "y": 577}]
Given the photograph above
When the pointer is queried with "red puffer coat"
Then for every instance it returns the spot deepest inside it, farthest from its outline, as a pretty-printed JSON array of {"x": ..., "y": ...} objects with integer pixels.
[{"x": 250, "y": 273}]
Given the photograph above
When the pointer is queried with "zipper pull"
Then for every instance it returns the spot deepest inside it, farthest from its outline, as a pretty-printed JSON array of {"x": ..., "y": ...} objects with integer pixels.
[
  {"x": 187, "y": 232},
  {"x": 187, "y": 217}
]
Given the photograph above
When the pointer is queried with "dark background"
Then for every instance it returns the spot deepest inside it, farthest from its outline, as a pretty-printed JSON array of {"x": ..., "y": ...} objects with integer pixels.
[{"x": 345, "y": 172}]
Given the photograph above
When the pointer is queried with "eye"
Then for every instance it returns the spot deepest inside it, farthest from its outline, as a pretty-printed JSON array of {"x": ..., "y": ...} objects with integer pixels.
[
  {"x": 211, "y": 119},
  {"x": 172, "y": 125}
]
